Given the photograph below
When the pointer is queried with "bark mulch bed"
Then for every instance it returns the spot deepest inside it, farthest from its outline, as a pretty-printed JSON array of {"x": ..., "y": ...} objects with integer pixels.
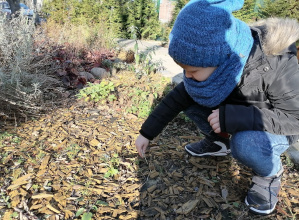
[{"x": 81, "y": 163}]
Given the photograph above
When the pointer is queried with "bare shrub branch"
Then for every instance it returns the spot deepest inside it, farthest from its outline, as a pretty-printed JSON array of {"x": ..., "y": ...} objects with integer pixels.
[{"x": 27, "y": 86}]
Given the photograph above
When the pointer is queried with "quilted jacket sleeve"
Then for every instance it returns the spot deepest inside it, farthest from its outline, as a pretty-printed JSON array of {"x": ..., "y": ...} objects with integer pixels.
[
  {"x": 174, "y": 102},
  {"x": 282, "y": 118}
]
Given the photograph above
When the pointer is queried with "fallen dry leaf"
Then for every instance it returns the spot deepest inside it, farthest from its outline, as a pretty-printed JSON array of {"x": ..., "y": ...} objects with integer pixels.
[
  {"x": 45, "y": 162},
  {"x": 42, "y": 196},
  {"x": 53, "y": 209}
]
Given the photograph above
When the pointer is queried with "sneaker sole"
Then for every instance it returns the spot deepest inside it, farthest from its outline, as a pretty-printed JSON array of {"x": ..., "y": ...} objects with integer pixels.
[
  {"x": 206, "y": 154},
  {"x": 259, "y": 212}
]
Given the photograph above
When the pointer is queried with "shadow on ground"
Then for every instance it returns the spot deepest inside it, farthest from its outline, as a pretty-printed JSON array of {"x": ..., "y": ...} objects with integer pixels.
[{"x": 176, "y": 185}]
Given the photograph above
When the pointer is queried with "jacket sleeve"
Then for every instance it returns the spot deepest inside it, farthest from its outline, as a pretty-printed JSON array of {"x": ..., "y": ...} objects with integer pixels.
[
  {"x": 172, "y": 104},
  {"x": 282, "y": 118}
]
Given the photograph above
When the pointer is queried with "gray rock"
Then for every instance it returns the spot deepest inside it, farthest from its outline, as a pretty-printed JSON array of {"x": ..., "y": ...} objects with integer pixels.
[
  {"x": 88, "y": 76},
  {"x": 116, "y": 60},
  {"x": 99, "y": 73}
]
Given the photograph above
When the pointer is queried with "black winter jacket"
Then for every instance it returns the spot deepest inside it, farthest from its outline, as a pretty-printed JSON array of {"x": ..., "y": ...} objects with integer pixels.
[{"x": 266, "y": 98}]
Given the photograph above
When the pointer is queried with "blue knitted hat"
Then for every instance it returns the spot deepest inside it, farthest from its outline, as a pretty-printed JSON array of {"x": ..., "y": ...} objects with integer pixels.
[{"x": 206, "y": 34}]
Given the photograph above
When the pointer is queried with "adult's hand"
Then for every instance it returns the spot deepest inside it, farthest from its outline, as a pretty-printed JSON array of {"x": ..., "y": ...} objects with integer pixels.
[
  {"x": 214, "y": 121},
  {"x": 141, "y": 145}
]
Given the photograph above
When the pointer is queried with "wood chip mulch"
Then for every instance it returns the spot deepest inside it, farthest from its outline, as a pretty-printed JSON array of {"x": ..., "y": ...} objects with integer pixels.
[{"x": 82, "y": 161}]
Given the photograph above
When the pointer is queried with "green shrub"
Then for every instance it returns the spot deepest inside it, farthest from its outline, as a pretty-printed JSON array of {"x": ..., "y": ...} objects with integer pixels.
[
  {"x": 98, "y": 92},
  {"x": 247, "y": 13},
  {"x": 112, "y": 165},
  {"x": 115, "y": 15},
  {"x": 141, "y": 104},
  {"x": 280, "y": 8},
  {"x": 134, "y": 96}
]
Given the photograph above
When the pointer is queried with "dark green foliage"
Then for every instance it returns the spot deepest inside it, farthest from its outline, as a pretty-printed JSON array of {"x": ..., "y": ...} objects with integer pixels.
[
  {"x": 280, "y": 8},
  {"x": 247, "y": 13},
  {"x": 111, "y": 15},
  {"x": 118, "y": 16},
  {"x": 178, "y": 6},
  {"x": 150, "y": 24},
  {"x": 142, "y": 19},
  {"x": 139, "y": 18},
  {"x": 57, "y": 9},
  {"x": 85, "y": 11},
  {"x": 133, "y": 22}
]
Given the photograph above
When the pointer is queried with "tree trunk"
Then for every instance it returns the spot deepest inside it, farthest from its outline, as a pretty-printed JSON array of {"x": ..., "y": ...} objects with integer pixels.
[
  {"x": 14, "y": 6},
  {"x": 35, "y": 5}
]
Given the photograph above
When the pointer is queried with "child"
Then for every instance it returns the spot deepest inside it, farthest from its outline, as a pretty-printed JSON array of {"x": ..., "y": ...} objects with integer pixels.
[{"x": 239, "y": 80}]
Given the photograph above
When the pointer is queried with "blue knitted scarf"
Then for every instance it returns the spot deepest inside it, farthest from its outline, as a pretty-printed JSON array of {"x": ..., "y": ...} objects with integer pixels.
[{"x": 219, "y": 85}]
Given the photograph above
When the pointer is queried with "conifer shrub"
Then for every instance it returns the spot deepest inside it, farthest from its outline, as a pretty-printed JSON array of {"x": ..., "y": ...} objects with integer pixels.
[
  {"x": 248, "y": 12},
  {"x": 116, "y": 16},
  {"x": 280, "y": 8}
]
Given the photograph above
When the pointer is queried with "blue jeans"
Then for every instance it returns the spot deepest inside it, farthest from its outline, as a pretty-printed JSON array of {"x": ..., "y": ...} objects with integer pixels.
[{"x": 258, "y": 150}]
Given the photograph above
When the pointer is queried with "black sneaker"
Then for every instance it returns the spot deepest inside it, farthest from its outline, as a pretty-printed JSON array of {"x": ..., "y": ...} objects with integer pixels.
[
  {"x": 262, "y": 195},
  {"x": 209, "y": 147}
]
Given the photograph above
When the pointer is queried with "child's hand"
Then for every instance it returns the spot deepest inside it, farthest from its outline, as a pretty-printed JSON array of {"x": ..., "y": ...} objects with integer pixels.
[
  {"x": 214, "y": 121},
  {"x": 141, "y": 145}
]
